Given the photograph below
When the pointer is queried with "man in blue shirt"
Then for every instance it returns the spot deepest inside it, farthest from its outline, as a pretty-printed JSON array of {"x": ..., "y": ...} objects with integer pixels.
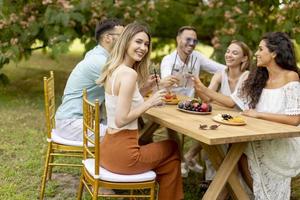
[{"x": 84, "y": 75}]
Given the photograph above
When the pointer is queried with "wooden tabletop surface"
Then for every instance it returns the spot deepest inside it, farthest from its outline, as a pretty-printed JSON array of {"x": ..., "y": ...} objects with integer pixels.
[{"x": 188, "y": 124}]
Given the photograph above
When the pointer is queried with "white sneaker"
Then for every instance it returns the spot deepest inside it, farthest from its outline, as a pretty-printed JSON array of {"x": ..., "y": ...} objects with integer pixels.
[
  {"x": 184, "y": 170},
  {"x": 194, "y": 166}
]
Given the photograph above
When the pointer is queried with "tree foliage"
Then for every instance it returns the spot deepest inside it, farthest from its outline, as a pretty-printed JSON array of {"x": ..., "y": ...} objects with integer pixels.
[
  {"x": 27, "y": 25},
  {"x": 247, "y": 21}
]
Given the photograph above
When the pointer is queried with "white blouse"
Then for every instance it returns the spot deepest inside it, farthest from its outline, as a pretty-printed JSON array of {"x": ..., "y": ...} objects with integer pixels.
[
  {"x": 272, "y": 163},
  {"x": 283, "y": 100}
]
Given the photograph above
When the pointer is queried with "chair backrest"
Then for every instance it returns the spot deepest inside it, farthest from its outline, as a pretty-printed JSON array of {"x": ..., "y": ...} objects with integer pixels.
[
  {"x": 91, "y": 119},
  {"x": 49, "y": 94}
]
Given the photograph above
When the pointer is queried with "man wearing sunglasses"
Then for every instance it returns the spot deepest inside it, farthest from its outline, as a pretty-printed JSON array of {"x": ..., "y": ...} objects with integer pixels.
[
  {"x": 186, "y": 60},
  {"x": 182, "y": 63}
]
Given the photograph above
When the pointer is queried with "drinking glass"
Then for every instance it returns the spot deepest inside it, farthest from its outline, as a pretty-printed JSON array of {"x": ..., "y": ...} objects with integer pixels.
[{"x": 177, "y": 71}]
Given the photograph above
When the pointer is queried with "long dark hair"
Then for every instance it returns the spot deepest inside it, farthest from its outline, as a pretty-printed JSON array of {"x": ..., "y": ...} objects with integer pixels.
[{"x": 281, "y": 45}]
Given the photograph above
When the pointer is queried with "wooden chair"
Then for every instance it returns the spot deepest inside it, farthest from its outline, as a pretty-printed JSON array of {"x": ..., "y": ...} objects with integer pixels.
[
  {"x": 57, "y": 146},
  {"x": 94, "y": 176}
]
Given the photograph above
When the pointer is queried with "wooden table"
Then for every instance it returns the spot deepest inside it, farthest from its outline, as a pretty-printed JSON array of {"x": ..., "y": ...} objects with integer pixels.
[{"x": 225, "y": 165}]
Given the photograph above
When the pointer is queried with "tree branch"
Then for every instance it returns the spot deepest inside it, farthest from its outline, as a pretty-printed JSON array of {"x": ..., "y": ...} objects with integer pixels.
[{"x": 36, "y": 48}]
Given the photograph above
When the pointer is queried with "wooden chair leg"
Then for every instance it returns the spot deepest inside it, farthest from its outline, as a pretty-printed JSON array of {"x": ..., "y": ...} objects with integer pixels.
[
  {"x": 80, "y": 188},
  {"x": 152, "y": 192},
  {"x": 95, "y": 190},
  {"x": 43, "y": 185},
  {"x": 156, "y": 190},
  {"x": 51, "y": 159}
]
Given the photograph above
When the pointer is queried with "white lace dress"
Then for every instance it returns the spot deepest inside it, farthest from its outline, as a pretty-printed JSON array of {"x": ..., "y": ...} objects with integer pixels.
[{"x": 272, "y": 163}]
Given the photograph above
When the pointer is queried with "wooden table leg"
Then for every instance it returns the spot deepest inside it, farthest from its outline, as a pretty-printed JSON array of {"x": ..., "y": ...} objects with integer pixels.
[
  {"x": 146, "y": 133},
  {"x": 225, "y": 171}
]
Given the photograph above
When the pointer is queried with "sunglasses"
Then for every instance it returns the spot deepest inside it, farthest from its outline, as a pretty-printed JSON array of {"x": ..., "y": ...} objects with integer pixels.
[
  {"x": 211, "y": 127},
  {"x": 191, "y": 41}
]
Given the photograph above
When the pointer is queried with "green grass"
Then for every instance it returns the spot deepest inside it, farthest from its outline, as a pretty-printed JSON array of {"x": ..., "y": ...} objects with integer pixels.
[{"x": 22, "y": 130}]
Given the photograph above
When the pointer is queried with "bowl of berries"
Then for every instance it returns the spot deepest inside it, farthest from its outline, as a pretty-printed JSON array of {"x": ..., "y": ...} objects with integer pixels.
[{"x": 195, "y": 106}]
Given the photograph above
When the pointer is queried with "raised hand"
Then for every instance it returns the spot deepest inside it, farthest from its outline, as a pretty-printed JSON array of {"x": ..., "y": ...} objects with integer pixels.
[
  {"x": 149, "y": 84},
  {"x": 169, "y": 81},
  {"x": 198, "y": 85},
  {"x": 157, "y": 98},
  {"x": 151, "y": 81}
]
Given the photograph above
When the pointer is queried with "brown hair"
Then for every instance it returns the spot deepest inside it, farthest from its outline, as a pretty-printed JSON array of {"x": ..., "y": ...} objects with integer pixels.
[
  {"x": 183, "y": 28},
  {"x": 247, "y": 52}
]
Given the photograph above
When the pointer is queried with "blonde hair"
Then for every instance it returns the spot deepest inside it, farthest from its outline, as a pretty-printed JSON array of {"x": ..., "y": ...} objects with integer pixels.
[
  {"x": 246, "y": 52},
  {"x": 118, "y": 54}
]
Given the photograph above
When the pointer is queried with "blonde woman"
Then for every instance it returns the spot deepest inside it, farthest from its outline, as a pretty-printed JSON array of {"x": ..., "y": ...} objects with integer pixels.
[{"x": 126, "y": 69}]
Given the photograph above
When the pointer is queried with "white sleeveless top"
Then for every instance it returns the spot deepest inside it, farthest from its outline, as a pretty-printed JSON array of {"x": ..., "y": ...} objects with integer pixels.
[
  {"x": 111, "y": 104},
  {"x": 225, "y": 88}
]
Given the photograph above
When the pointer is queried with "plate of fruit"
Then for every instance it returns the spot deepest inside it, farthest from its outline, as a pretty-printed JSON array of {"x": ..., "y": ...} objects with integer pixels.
[
  {"x": 171, "y": 98},
  {"x": 195, "y": 106},
  {"x": 229, "y": 120}
]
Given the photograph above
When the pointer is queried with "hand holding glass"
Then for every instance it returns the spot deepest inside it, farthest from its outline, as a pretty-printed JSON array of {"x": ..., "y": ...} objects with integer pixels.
[{"x": 157, "y": 99}]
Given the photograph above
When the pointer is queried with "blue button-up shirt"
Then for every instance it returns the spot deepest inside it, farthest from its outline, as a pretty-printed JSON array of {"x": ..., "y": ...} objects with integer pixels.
[{"x": 83, "y": 76}]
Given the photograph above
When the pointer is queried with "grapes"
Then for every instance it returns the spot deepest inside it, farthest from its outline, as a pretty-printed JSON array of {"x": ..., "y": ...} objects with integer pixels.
[
  {"x": 181, "y": 105},
  {"x": 195, "y": 105},
  {"x": 226, "y": 116}
]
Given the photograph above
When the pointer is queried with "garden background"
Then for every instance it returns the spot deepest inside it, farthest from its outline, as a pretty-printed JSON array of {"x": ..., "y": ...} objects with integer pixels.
[{"x": 38, "y": 35}]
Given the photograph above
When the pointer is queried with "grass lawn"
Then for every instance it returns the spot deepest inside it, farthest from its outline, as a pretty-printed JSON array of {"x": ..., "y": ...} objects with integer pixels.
[{"x": 23, "y": 139}]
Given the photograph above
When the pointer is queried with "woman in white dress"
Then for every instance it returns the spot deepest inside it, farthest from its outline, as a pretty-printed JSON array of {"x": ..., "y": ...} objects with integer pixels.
[
  {"x": 271, "y": 92},
  {"x": 238, "y": 60}
]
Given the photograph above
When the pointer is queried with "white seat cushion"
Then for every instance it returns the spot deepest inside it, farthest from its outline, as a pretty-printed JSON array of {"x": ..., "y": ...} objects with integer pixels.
[
  {"x": 106, "y": 175},
  {"x": 57, "y": 139}
]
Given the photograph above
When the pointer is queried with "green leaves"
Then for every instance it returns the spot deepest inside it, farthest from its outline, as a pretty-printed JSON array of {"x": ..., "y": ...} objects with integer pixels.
[
  {"x": 78, "y": 17},
  {"x": 57, "y": 23},
  {"x": 4, "y": 79}
]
